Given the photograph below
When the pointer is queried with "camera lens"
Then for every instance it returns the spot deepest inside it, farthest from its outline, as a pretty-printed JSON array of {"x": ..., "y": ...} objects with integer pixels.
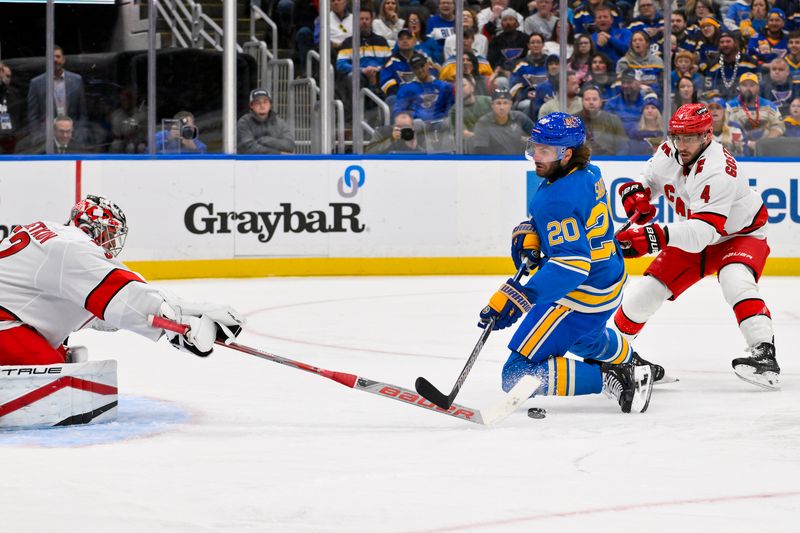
[
  {"x": 189, "y": 132},
  {"x": 406, "y": 134}
]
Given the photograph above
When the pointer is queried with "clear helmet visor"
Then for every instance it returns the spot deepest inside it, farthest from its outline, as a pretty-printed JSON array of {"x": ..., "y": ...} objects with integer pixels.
[
  {"x": 543, "y": 153},
  {"x": 690, "y": 139}
]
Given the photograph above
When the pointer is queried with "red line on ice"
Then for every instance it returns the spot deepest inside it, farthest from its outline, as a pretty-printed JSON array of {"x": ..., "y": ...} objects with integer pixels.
[{"x": 583, "y": 512}]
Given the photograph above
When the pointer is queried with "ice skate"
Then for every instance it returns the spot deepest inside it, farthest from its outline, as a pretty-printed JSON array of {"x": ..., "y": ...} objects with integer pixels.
[
  {"x": 630, "y": 385},
  {"x": 761, "y": 368},
  {"x": 660, "y": 376}
]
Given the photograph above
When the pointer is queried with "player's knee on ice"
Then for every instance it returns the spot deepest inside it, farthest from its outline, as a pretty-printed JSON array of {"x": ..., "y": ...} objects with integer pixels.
[{"x": 518, "y": 366}]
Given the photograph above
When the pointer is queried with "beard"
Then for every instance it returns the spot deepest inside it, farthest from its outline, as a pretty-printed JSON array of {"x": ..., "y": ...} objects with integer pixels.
[
  {"x": 748, "y": 98},
  {"x": 550, "y": 171}
]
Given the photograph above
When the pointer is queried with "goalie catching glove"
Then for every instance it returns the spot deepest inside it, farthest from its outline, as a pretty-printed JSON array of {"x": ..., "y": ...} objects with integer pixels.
[
  {"x": 525, "y": 246},
  {"x": 506, "y": 306},
  {"x": 207, "y": 323}
]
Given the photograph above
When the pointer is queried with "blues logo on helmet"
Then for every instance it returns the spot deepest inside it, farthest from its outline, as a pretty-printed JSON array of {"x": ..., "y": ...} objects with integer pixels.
[
  {"x": 103, "y": 221},
  {"x": 561, "y": 130}
]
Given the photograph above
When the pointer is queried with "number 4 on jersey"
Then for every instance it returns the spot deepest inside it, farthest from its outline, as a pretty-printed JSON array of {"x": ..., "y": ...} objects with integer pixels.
[{"x": 706, "y": 194}]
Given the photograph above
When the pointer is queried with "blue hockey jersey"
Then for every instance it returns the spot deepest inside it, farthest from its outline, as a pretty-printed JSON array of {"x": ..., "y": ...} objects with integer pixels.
[
  {"x": 583, "y": 267},
  {"x": 427, "y": 101}
]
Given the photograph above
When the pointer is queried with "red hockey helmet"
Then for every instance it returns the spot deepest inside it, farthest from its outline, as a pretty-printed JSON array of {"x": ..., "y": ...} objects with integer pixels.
[
  {"x": 103, "y": 221},
  {"x": 691, "y": 119}
]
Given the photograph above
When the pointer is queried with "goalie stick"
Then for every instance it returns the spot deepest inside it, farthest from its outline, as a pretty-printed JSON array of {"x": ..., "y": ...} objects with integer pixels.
[
  {"x": 431, "y": 393},
  {"x": 494, "y": 414}
]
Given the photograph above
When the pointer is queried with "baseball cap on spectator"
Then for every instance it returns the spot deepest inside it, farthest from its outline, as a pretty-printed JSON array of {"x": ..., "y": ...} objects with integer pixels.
[
  {"x": 631, "y": 74},
  {"x": 417, "y": 60},
  {"x": 749, "y": 76},
  {"x": 710, "y": 20},
  {"x": 716, "y": 101},
  {"x": 406, "y": 32},
  {"x": 258, "y": 93},
  {"x": 552, "y": 58},
  {"x": 778, "y": 11},
  {"x": 728, "y": 33},
  {"x": 652, "y": 99},
  {"x": 501, "y": 94}
]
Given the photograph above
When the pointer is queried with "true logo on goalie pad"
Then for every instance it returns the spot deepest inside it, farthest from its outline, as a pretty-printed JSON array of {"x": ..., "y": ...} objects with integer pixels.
[{"x": 58, "y": 395}]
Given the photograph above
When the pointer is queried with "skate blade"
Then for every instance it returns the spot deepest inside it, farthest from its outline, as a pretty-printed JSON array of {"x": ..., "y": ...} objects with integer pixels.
[
  {"x": 767, "y": 380},
  {"x": 643, "y": 376},
  {"x": 666, "y": 380}
]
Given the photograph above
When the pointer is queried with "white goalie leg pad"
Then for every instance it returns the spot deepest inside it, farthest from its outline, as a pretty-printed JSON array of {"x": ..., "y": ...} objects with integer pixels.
[
  {"x": 738, "y": 285},
  {"x": 36, "y": 396}
]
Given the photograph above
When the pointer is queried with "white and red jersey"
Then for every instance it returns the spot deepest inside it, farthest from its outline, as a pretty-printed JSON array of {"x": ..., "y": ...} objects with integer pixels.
[
  {"x": 55, "y": 279},
  {"x": 712, "y": 197}
]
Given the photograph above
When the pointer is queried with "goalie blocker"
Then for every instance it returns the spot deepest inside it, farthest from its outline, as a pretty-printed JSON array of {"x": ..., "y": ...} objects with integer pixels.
[{"x": 36, "y": 396}]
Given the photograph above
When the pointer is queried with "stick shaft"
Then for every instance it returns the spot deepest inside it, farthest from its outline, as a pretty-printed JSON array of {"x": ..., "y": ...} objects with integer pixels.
[
  {"x": 431, "y": 393},
  {"x": 385, "y": 390}
]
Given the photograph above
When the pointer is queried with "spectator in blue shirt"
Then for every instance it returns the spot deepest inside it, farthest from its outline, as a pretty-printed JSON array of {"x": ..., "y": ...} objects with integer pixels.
[
  {"x": 611, "y": 41},
  {"x": 772, "y": 42},
  {"x": 602, "y": 75},
  {"x": 584, "y": 17},
  {"x": 373, "y": 52},
  {"x": 737, "y": 12},
  {"x": 721, "y": 77},
  {"x": 442, "y": 26},
  {"x": 685, "y": 37},
  {"x": 425, "y": 44},
  {"x": 180, "y": 136},
  {"x": 777, "y": 87},
  {"x": 628, "y": 105},
  {"x": 531, "y": 71},
  {"x": 649, "y": 21},
  {"x": 426, "y": 98},
  {"x": 793, "y": 57}
]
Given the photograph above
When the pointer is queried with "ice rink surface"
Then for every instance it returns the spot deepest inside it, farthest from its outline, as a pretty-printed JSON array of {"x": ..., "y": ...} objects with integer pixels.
[{"x": 247, "y": 445}]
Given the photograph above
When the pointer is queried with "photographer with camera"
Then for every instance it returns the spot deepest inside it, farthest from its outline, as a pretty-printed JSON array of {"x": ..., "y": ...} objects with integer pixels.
[
  {"x": 400, "y": 137},
  {"x": 179, "y": 136}
]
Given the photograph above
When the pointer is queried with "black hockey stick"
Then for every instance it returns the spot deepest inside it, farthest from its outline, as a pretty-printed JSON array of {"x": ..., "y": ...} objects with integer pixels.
[{"x": 434, "y": 395}]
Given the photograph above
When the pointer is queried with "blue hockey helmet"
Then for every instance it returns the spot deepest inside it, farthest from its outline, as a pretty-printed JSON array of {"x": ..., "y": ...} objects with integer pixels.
[{"x": 560, "y": 130}]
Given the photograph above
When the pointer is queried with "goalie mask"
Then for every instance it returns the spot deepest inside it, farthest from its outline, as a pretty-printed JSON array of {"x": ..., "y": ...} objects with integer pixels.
[{"x": 103, "y": 221}]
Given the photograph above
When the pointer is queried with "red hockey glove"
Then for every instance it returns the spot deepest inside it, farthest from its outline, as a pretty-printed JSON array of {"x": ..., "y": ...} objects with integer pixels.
[
  {"x": 635, "y": 198},
  {"x": 636, "y": 242}
]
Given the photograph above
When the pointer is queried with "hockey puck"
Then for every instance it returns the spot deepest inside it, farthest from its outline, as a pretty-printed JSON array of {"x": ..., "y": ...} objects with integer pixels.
[{"x": 537, "y": 412}]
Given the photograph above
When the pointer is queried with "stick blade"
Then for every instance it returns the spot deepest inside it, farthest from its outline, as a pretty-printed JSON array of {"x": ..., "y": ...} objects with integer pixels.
[
  {"x": 426, "y": 389},
  {"x": 523, "y": 390}
]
